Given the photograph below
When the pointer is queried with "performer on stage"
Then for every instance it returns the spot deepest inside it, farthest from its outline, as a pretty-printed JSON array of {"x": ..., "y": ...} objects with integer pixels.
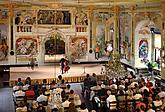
[
  {"x": 62, "y": 64},
  {"x": 66, "y": 66}
]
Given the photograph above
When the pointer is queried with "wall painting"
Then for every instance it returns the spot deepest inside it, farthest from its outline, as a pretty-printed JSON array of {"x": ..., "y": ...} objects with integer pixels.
[
  {"x": 54, "y": 17},
  {"x": 26, "y": 46},
  {"x": 143, "y": 49},
  {"x": 78, "y": 47},
  {"x": 3, "y": 42}
]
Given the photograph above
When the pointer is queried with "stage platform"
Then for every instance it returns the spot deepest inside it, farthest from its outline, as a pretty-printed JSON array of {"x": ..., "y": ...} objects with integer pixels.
[{"x": 50, "y": 72}]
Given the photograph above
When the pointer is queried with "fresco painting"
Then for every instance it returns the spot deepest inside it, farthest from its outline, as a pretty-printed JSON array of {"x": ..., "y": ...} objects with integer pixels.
[
  {"x": 78, "y": 47},
  {"x": 54, "y": 17},
  {"x": 3, "y": 42},
  {"x": 26, "y": 46}
]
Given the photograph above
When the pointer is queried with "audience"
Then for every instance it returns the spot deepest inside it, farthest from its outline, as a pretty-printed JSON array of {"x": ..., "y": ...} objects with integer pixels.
[{"x": 113, "y": 94}]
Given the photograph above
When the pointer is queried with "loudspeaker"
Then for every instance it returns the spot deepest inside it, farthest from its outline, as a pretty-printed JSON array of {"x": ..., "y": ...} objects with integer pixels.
[
  {"x": 90, "y": 51},
  {"x": 11, "y": 53}
]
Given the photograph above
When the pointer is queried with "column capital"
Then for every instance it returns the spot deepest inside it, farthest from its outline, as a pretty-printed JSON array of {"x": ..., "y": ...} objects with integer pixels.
[
  {"x": 116, "y": 9},
  {"x": 90, "y": 10}
]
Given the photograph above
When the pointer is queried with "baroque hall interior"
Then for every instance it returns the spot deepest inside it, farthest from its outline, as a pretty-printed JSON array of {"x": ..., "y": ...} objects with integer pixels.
[{"x": 43, "y": 39}]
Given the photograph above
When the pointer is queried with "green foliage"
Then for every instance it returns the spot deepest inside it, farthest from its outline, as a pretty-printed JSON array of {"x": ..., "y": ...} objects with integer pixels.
[{"x": 114, "y": 68}]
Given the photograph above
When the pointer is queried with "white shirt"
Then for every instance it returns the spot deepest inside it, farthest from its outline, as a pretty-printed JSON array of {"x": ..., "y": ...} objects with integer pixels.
[
  {"x": 42, "y": 98},
  {"x": 85, "y": 110},
  {"x": 66, "y": 103},
  {"x": 157, "y": 103},
  {"x": 15, "y": 88},
  {"x": 151, "y": 110},
  {"x": 25, "y": 87},
  {"x": 143, "y": 88},
  {"x": 111, "y": 98},
  {"x": 137, "y": 96},
  {"x": 19, "y": 93},
  {"x": 161, "y": 94}
]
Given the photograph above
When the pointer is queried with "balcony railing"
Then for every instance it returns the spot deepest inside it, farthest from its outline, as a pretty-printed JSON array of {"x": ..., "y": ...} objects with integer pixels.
[
  {"x": 81, "y": 28},
  {"x": 24, "y": 28}
]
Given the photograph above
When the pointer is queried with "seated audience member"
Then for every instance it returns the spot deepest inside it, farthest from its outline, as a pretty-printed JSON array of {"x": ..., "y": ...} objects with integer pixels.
[
  {"x": 161, "y": 94},
  {"x": 71, "y": 95},
  {"x": 19, "y": 83},
  {"x": 66, "y": 102},
  {"x": 42, "y": 98},
  {"x": 63, "y": 95},
  {"x": 150, "y": 109},
  {"x": 77, "y": 100},
  {"x": 15, "y": 88},
  {"x": 53, "y": 84},
  {"x": 83, "y": 108},
  {"x": 30, "y": 92},
  {"x": 72, "y": 108},
  {"x": 157, "y": 103},
  {"x": 140, "y": 103},
  {"x": 19, "y": 92},
  {"x": 28, "y": 81},
  {"x": 137, "y": 96},
  {"x": 25, "y": 87},
  {"x": 62, "y": 85},
  {"x": 21, "y": 107},
  {"x": 34, "y": 106},
  {"x": 111, "y": 98},
  {"x": 41, "y": 108},
  {"x": 67, "y": 90},
  {"x": 59, "y": 80},
  {"x": 102, "y": 93}
]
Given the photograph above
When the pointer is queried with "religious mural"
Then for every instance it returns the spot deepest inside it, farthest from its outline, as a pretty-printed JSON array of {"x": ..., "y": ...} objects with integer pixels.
[
  {"x": 26, "y": 46},
  {"x": 3, "y": 42},
  {"x": 54, "y": 17},
  {"x": 78, "y": 47},
  {"x": 143, "y": 49}
]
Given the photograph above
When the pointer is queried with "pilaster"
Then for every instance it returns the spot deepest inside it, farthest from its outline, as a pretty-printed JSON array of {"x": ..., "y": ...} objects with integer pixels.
[
  {"x": 163, "y": 44},
  {"x": 116, "y": 28}
]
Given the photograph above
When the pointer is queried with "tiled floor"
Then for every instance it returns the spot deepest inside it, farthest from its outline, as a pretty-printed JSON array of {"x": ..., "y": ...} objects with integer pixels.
[{"x": 6, "y": 101}]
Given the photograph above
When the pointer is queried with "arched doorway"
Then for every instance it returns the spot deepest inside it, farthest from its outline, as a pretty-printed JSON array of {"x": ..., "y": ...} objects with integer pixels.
[
  {"x": 148, "y": 40},
  {"x": 54, "y": 48}
]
